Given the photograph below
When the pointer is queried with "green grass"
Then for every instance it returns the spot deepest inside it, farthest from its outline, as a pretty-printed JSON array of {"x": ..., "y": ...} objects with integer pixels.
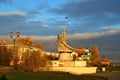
[{"x": 47, "y": 76}]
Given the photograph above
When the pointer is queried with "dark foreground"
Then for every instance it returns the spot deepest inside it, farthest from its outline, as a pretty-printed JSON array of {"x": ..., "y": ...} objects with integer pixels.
[
  {"x": 46, "y": 76},
  {"x": 109, "y": 75}
]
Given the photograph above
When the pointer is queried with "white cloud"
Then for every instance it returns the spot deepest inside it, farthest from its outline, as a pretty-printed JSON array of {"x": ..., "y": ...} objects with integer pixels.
[
  {"x": 44, "y": 25},
  {"x": 4, "y": 37},
  {"x": 44, "y": 38},
  {"x": 12, "y": 13},
  {"x": 93, "y": 34},
  {"x": 78, "y": 35},
  {"x": 62, "y": 26},
  {"x": 81, "y": 36},
  {"x": 109, "y": 27}
]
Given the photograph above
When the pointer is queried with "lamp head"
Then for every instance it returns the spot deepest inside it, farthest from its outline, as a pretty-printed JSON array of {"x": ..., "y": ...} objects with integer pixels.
[
  {"x": 11, "y": 34},
  {"x": 18, "y": 34}
]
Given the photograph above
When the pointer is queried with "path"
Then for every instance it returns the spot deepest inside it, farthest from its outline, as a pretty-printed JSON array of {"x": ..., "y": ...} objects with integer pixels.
[{"x": 6, "y": 69}]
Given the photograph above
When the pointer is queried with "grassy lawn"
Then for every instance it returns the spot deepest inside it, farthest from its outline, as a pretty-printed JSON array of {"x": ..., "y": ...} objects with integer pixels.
[
  {"x": 47, "y": 76},
  {"x": 115, "y": 68}
]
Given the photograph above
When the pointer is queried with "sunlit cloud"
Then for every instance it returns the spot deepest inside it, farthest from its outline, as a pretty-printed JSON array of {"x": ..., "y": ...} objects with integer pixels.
[
  {"x": 81, "y": 36},
  {"x": 34, "y": 38},
  {"x": 109, "y": 27},
  {"x": 93, "y": 34},
  {"x": 43, "y": 38},
  {"x": 12, "y": 13},
  {"x": 76, "y": 39},
  {"x": 4, "y": 37}
]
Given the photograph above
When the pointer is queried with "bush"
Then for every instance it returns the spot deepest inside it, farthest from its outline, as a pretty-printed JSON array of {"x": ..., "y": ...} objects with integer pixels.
[
  {"x": 5, "y": 55},
  {"x": 114, "y": 68},
  {"x": 34, "y": 62}
]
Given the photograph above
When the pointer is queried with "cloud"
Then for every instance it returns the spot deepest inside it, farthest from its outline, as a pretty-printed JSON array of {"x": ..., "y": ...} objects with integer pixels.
[
  {"x": 18, "y": 21},
  {"x": 12, "y": 14},
  {"x": 107, "y": 42},
  {"x": 90, "y": 22},
  {"x": 88, "y": 8},
  {"x": 44, "y": 25},
  {"x": 6, "y": 1},
  {"x": 84, "y": 16},
  {"x": 34, "y": 14},
  {"x": 81, "y": 36},
  {"x": 43, "y": 5},
  {"x": 109, "y": 28},
  {"x": 35, "y": 38},
  {"x": 93, "y": 34},
  {"x": 90, "y": 13},
  {"x": 10, "y": 20},
  {"x": 44, "y": 38}
]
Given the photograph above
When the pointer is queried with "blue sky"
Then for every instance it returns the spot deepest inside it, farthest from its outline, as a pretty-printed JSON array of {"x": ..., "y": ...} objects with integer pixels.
[{"x": 89, "y": 22}]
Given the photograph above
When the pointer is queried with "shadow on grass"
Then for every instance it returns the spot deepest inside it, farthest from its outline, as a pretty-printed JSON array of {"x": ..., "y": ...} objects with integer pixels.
[
  {"x": 47, "y": 76},
  {"x": 3, "y": 77}
]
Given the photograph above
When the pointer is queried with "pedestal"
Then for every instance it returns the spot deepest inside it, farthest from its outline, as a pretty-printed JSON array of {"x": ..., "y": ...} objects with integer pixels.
[{"x": 65, "y": 57}]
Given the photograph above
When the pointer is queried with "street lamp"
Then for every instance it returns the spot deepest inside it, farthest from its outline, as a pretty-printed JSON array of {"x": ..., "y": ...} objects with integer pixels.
[{"x": 14, "y": 40}]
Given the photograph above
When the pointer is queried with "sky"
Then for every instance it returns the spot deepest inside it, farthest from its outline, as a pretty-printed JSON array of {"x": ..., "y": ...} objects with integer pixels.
[{"x": 89, "y": 22}]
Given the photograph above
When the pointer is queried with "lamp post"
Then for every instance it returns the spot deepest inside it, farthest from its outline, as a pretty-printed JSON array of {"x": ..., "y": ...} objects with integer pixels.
[
  {"x": 12, "y": 62},
  {"x": 14, "y": 39}
]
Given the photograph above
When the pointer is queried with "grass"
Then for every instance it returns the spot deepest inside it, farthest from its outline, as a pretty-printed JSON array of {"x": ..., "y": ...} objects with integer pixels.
[
  {"x": 115, "y": 68},
  {"x": 47, "y": 76}
]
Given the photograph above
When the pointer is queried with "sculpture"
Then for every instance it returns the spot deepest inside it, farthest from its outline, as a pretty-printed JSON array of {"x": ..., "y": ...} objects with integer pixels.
[
  {"x": 64, "y": 49},
  {"x": 62, "y": 45}
]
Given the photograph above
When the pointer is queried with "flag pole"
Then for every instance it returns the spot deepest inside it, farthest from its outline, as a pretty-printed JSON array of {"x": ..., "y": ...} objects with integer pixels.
[{"x": 66, "y": 21}]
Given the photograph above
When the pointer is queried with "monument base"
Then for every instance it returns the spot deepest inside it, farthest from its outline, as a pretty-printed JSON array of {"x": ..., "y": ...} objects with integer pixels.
[
  {"x": 73, "y": 67},
  {"x": 74, "y": 70},
  {"x": 65, "y": 57}
]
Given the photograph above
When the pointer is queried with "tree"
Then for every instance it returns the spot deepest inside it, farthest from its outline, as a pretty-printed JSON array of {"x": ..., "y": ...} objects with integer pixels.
[
  {"x": 95, "y": 55},
  {"x": 27, "y": 41},
  {"x": 34, "y": 62},
  {"x": 40, "y": 46},
  {"x": 5, "y": 55}
]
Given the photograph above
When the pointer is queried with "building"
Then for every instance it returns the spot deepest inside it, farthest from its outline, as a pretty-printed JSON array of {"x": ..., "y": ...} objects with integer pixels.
[
  {"x": 105, "y": 61},
  {"x": 18, "y": 51}
]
